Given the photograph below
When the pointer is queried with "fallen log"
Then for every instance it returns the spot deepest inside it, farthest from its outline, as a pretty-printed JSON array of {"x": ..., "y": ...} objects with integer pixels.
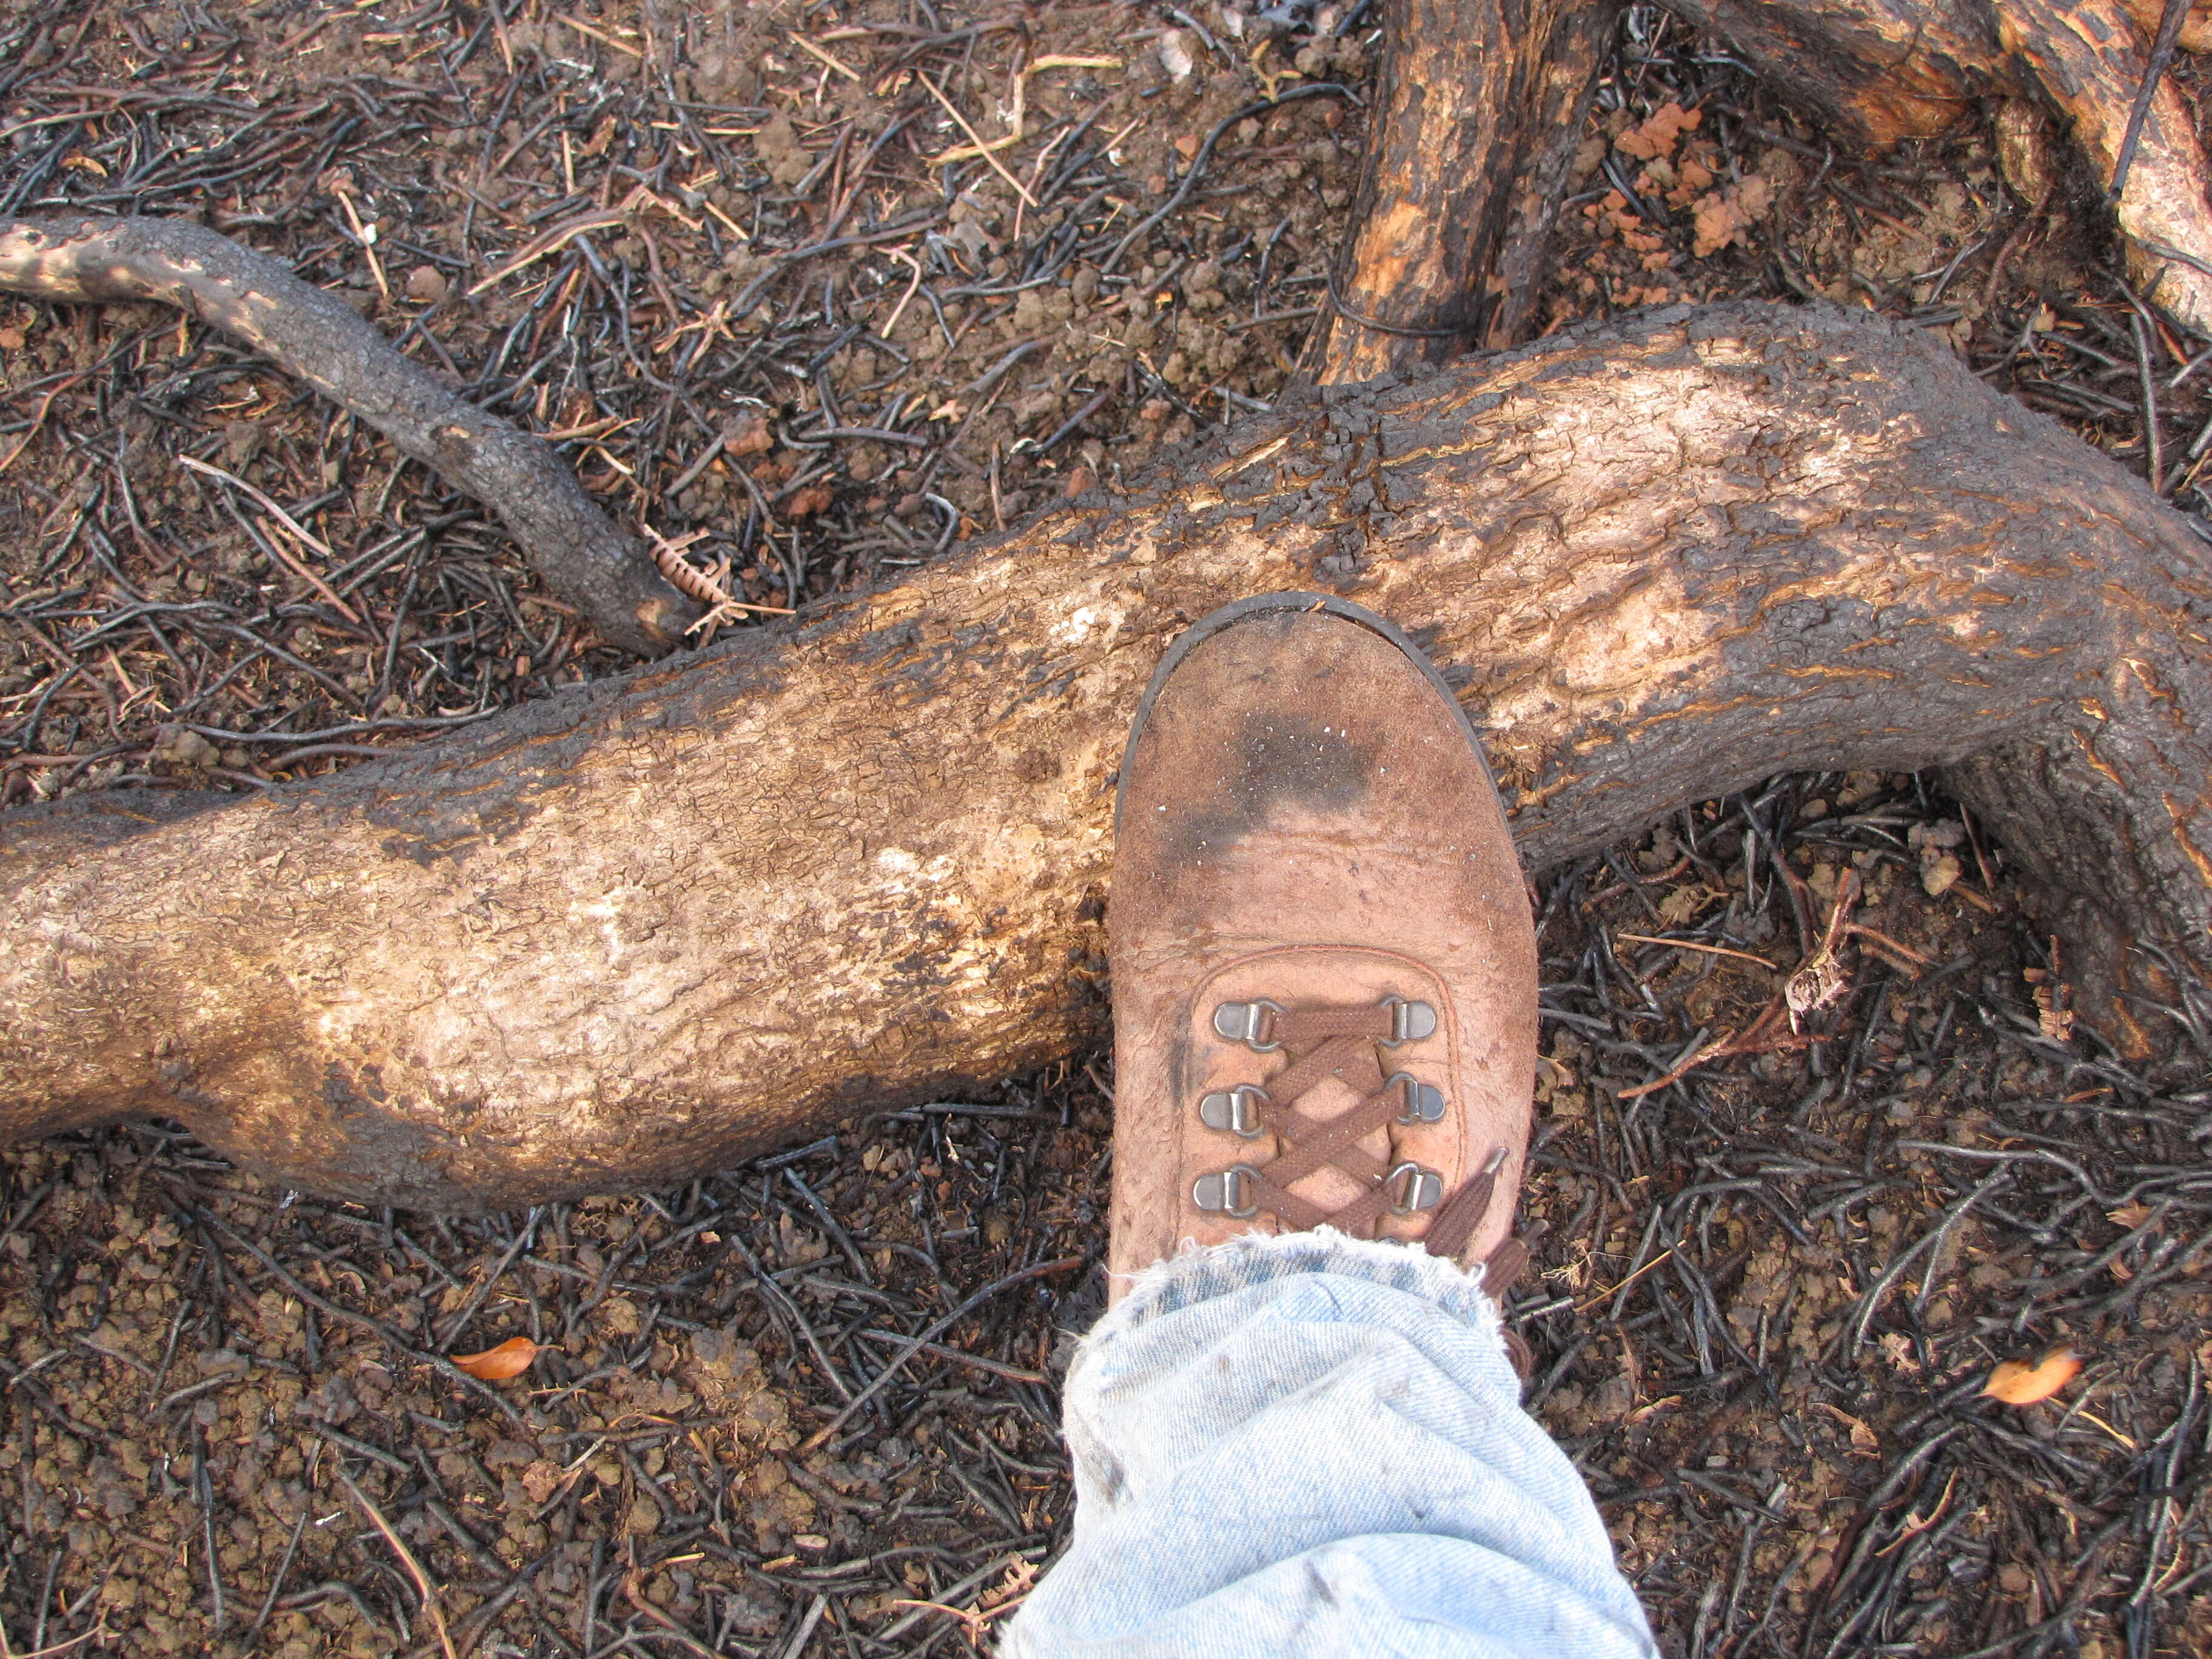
[
  {"x": 607, "y": 574},
  {"x": 660, "y": 923}
]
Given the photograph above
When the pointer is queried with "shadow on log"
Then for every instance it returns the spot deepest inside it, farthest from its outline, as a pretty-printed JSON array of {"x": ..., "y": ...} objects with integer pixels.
[{"x": 654, "y": 925}]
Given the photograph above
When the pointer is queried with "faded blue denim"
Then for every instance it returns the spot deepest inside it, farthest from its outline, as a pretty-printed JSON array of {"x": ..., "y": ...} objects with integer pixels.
[{"x": 1313, "y": 1445}]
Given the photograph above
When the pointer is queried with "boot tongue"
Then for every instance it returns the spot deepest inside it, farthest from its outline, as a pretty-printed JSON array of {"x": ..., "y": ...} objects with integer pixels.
[
  {"x": 1329, "y": 1187},
  {"x": 1330, "y": 1098}
]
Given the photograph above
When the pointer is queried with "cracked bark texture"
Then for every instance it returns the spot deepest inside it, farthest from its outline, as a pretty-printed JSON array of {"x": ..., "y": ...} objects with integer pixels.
[
  {"x": 317, "y": 336},
  {"x": 660, "y": 923},
  {"x": 1479, "y": 108}
]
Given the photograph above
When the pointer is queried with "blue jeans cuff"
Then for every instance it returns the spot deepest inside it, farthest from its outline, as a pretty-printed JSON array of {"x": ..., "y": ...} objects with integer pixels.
[{"x": 1200, "y": 1273}]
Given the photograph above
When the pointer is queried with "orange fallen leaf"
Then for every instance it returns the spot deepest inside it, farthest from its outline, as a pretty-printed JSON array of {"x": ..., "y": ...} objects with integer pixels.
[
  {"x": 2130, "y": 1216},
  {"x": 1864, "y": 1441},
  {"x": 2016, "y": 1382},
  {"x": 511, "y": 1359}
]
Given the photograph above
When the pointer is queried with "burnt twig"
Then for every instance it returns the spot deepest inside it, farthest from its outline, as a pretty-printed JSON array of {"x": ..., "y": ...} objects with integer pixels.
[{"x": 319, "y": 338}]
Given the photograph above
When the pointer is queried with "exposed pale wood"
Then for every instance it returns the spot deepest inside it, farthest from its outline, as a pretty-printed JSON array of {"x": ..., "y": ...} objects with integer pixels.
[
  {"x": 2091, "y": 58},
  {"x": 645, "y": 928},
  {"x": 2196, "y": 25}
]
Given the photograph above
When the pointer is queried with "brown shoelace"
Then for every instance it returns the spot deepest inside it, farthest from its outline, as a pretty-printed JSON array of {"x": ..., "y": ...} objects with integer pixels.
[{"x": 1345, "y": 1044}]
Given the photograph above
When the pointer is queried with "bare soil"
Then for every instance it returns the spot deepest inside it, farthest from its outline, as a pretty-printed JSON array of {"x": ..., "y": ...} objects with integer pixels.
[{"x": 808, "y": 1407}]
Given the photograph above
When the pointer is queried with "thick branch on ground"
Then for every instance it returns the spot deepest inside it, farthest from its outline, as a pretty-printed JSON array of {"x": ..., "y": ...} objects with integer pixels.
[
  {"x": 584, "y": 559},
  {"x": 1479, "y": 109},
  {"x": 629, "y": 933}
]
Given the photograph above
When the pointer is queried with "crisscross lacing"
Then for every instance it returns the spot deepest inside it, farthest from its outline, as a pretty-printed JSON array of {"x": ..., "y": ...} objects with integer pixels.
[{"x": 1345, "y": 1043}]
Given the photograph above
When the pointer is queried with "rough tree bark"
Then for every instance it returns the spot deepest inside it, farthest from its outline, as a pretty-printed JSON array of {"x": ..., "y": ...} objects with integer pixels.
[
  {"x": 654, "y": 925},
  {"x": 606, "y": 575},
  {"x": 1479, "y": 108}
]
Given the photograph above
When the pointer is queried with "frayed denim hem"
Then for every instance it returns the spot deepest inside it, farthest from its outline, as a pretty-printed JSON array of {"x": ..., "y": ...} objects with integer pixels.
[
  {"x": 1307, "y": 1445},
  {"x": 1199, "y": 1273}
]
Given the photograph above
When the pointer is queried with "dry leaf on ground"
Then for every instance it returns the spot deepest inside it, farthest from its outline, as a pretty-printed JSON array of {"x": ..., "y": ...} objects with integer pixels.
[
  {"x": 2054, "y": 1014},
  {"x": 2016, "y": 1382},
  {"x": 511, "y": 1359},
  {"x": 1864, "y": 1442},
  {"x": 1021, "y": 1577}
]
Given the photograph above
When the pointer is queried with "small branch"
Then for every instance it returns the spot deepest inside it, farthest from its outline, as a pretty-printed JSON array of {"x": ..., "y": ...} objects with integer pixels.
[
  {"x": 289, "y": 523},
  {"x": 914, "y": 1344},
  {"x": 2161, "y": 55},
  {"x": 319, "y": 339}
]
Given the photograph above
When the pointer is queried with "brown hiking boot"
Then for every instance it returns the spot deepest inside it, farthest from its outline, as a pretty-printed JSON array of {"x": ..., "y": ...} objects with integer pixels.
[{"x": 1324, "y": 973}]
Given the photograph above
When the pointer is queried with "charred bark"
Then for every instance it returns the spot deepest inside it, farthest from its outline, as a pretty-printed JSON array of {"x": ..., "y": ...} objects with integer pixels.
[
  {"x": 659, "y": 923},
  {"x": 584, "y": 558},
  {"x": 1872, "y": 72},
  {"x": 1479, "y": 108}
]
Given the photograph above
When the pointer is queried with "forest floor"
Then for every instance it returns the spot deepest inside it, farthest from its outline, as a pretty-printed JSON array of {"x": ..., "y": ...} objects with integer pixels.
[{"x": 842, "y": 286}]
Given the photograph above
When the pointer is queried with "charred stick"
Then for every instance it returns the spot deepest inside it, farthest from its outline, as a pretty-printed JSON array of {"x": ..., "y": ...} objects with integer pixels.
[
  {"x": 2161, "y": 55},
  {"x": 319, "y": 338}
]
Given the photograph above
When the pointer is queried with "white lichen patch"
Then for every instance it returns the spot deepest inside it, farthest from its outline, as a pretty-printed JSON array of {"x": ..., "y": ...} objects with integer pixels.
[{"x": 1077, "y": 627}]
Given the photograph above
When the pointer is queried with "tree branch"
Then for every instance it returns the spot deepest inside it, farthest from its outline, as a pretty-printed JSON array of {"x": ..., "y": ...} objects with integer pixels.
[
  {"x": 315, "y": 336},
  {"x": 652, "y": 926}
]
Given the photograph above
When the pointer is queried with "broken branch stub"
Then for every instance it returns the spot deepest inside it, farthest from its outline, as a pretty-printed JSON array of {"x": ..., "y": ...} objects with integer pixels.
[
  {"x": 655, "y": 925},
  {"x": 1479, "y": 108},
  {"x": 582, "y": 556}
]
